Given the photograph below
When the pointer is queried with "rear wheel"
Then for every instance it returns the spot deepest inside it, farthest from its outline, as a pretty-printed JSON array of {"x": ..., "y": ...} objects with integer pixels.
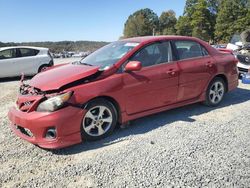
[
  {"x": 42, "y": 68},
  {"x": 215, "y": 92},
  {"x": 99, "y": 120}
]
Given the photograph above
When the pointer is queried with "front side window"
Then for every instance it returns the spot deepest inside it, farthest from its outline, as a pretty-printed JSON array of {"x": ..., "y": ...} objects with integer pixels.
[
  {"x": 109, "y": 54},
  {"x": 153, "y": 54},
  {"x": 25, "y": 52},
  {"x": 7, "y": 54},
  {"x": 189, "y": 49}
]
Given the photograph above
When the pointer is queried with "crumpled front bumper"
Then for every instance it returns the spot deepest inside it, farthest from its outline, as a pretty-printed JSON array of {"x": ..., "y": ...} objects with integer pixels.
[
  {"x": 243, "y": 68},
  {"x": 66, "y": 121}
]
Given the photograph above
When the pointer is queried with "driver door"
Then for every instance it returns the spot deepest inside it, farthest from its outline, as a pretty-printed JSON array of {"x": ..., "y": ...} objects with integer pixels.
[{"x": 156, "y": 84}]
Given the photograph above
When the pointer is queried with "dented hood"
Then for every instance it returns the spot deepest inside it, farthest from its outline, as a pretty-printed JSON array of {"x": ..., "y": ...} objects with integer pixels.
[{"x": 57, "y": 77}]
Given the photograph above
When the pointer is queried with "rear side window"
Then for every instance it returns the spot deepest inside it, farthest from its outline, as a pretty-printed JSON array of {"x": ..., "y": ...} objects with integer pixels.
[
  {"x": 189, "y": 49},
  {"x": 7, "y": 54},
  {"x": 26, "y": 52},
  {"x": 153, "y": 54}
]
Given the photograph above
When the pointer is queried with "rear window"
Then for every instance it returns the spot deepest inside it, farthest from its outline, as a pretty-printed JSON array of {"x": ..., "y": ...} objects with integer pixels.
[
  {"x": 189, "y": 49},
  {"x": 25, "y": 52}
]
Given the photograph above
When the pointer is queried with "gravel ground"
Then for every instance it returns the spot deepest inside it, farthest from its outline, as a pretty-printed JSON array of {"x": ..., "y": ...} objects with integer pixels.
[{"x": 192, "y": 146}]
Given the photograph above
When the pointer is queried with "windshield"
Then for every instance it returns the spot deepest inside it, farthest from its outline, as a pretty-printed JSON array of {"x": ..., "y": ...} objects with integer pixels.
[{"x": 109, "y": 54}]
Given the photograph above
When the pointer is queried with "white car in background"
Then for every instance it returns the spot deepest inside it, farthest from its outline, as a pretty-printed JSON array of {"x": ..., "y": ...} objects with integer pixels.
[
  {"x": 16, "y": 60},
  {"x": 241, "y": 48}
]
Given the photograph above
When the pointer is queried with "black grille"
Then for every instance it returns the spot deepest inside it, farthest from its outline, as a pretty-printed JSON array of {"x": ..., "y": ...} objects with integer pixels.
[
  {"x": 242, "y": 69},
  {"x": 26, "y": 106},
  {"x": 25, "y": 131}
]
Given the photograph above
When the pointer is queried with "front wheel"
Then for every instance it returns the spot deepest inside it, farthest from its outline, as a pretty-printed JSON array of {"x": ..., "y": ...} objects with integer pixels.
[
  {"x": 215, "y": 92},
  {"x": 99, "y": 120}
]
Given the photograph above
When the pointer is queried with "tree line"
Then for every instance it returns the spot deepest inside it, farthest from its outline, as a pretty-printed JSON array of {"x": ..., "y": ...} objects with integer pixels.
[
  {"x": 210, "y": 20},
  {"x": 57, "y": 47}
]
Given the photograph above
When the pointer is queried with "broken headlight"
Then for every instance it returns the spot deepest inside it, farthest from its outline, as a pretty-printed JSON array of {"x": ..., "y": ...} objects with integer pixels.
[{"x": 54, "y": 103}]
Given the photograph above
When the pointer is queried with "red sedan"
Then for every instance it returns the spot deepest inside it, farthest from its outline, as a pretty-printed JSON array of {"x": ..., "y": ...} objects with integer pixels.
[{"x": 120, "y": 82}]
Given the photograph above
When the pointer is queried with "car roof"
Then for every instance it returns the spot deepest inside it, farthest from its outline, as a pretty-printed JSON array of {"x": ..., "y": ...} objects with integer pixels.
[
  {"x": 29, "y": 47},
  {"x": 157, "y": 38}
]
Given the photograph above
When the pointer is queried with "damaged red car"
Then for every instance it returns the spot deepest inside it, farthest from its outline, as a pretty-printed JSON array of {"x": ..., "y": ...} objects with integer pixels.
[{"x": 125, "y": 80}]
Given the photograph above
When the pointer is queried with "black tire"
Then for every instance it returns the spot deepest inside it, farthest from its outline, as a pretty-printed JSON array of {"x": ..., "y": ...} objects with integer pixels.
[
  {"x": 215, "y": 96},
  {"x": 92, "y": 125},
  {"x": 42, "y": 67}
]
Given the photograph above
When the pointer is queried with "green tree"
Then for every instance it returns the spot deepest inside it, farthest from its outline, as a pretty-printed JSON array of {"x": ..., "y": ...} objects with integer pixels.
[
  {"x": 1, "y": 44},
  {"x": 189, "y": 7},
  {"x": 198, "y": 19},
  {"x": 202, "y": 21},
  {"x": 183, "y": 26},
  {"x": 233, "y": 17},
  {"x": 167, "y": 22},
  {"x": 212, "y": 6},
  {"x": 141, "y": 23}
]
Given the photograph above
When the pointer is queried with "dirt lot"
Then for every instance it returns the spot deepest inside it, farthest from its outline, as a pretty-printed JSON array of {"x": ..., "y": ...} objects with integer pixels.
[{"x": 190, "y": 146}]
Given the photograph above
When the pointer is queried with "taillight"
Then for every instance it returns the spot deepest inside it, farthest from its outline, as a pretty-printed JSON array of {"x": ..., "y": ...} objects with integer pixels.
[{"x": 236, "y": 61}]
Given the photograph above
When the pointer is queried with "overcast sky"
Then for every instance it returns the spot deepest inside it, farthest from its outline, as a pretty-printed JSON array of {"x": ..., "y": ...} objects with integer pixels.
[{"x": 56, "y": 20}]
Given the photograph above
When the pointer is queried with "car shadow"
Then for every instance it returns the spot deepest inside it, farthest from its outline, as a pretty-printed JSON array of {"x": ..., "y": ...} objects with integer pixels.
[
  {"x": 149, "y": 123},
  {"x": 18, "y": 78}
]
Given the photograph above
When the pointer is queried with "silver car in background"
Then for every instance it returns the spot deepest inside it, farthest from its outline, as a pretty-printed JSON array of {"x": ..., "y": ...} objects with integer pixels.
[{"x": 16, "y": 60}]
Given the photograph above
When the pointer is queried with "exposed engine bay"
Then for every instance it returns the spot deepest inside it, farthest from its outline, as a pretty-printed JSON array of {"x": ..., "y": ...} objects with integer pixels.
[
  {"x": 240, "y": 44},
  {"x": 244, "y": 49}
]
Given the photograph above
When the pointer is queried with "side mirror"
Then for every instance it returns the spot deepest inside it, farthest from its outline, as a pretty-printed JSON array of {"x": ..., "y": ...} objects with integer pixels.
[{"x": 133, "y": 66}]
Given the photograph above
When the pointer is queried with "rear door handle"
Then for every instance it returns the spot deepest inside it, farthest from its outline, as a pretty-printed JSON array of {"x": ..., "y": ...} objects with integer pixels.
[
  {"x": 171, "y": 72},
  {"x": 209, "y": 64}
]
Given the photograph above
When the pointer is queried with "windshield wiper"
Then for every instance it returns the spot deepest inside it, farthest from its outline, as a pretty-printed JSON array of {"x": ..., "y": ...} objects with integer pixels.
[
  {"x": 79, "y": 62},
  {"x": 86, "y": 64}
]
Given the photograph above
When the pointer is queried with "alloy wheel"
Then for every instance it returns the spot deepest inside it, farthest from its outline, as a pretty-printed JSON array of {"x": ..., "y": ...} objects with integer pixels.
[
  {"x": 97, "y": 121},
  {"x": 216, "y": 92}
]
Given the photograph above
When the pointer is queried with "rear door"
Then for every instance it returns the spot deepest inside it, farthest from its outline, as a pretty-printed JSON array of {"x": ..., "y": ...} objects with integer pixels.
[
  {"x": 27, "y": 61},
  {"x": 196, "y": 69},
  {"x": 7, "y": 63},
  {"x": 156, "y": 84}
]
